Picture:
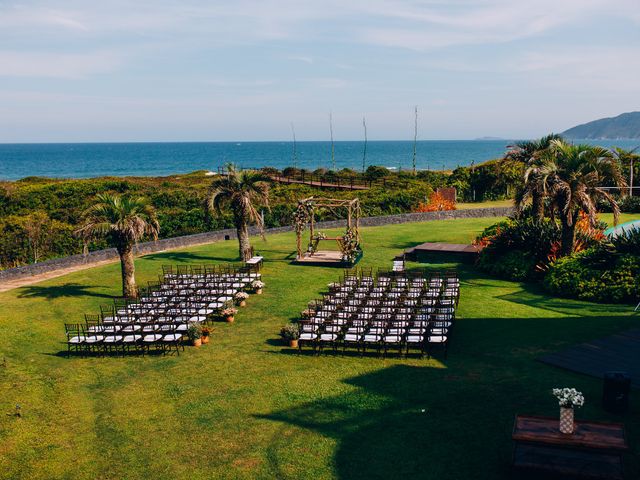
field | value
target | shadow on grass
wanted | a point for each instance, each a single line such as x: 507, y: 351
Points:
x: 188, y: 257
x: 60, y: 291
x: 112, y: 353
x: 533, y: 295
x: 395, y: 425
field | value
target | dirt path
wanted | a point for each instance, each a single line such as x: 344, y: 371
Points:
x: 23, y: 282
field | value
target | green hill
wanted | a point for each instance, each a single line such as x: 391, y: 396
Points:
x: 624, y: 126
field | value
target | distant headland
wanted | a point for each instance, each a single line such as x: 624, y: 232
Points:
x: 625, y: 126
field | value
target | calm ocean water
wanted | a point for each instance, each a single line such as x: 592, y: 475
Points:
x: 84, y: 160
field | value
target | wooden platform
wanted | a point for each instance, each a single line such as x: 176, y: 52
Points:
x: 619, y: 352
x: 325, y: 258
x: 461, y: 251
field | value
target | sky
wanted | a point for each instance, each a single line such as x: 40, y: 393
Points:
x: 185, y: 70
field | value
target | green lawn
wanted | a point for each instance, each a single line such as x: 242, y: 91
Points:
x: 245, y: 406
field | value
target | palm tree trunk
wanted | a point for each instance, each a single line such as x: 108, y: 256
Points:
x: 537, y: 200
x: 128, y: 271
x: 568, y: 236
x: 244, y: 245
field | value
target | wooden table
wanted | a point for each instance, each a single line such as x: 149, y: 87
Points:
x: 255, y: 263
x: 594, y: 450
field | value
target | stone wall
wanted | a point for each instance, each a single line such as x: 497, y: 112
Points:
x: 209, y: 237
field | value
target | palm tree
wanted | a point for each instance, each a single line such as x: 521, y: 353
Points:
x: 240, y: 191
x: 572, y: 177
x: 124, y: 220
x: 526, y: 152
x: 630, y: 158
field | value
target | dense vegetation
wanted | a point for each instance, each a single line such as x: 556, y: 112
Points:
x: 38, y: 215
x: 556, y: 236
x: 247, y: 407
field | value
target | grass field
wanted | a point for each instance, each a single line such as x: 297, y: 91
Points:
x: 245, y: 406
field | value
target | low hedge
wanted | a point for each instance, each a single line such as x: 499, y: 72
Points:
x: 585, y: 276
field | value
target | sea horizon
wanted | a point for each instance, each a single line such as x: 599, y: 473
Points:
x: 149, y: 159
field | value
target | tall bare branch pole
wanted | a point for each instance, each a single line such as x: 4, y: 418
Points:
x: 333, y: 150
x: 364, y: 151
x: 295, y: 150
x: 415, y: 139
x: 631, y: 177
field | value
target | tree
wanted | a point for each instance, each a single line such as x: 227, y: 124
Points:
x: 124, y: 220
x: 629, y: 161
x: 572, y: 177
x: 241, y: 191
x: 526, y: 153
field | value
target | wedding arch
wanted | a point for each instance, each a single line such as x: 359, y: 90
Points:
x: 349, y: 249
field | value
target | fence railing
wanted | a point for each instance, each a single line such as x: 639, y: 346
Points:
x: 331, y: 180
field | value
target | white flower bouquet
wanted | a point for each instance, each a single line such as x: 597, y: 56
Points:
x: 568, y: 397
x: 257, y: 284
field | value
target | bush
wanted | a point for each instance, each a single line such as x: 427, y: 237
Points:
x: 375, y: 172
x: 291, y: 172
x: 627, y: 204
x: 578, y: 277
x: 628, y: 241
x: 437, y: 203
x: 514, y: 265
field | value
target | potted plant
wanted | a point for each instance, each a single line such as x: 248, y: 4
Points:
x: 568, y: 398
x: 205, y: 334
x: 240, y: 299
x: 194, y: 333
x: 290, y: 333
x: 257, y: 286
x: 228, y: 314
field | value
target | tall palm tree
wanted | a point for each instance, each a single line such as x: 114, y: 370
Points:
x: 526, y: 153
x: 241, y: 191
x: 572, y: 177
x: 124, y: 220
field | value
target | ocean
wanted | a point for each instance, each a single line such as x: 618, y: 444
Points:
x: 85, y: 160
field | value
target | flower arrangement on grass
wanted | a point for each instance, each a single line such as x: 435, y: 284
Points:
x: 290, y: 333
x: 205, y: 333
x: 257, y: 286
x: 568, y: 397
x: 228, y: 313
x: 307, y: 313
x: 194, y: 333
x: 240, y: 298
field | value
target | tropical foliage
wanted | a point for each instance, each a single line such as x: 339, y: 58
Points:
x: 125, y: 220
x: 572, y: 177
x: 242, y: 192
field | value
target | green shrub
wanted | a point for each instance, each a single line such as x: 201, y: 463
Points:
x: 578, y: 277
x: 513, y: 265
x: 375, y: 172
x: 530, y: 238
x: 628, y: 241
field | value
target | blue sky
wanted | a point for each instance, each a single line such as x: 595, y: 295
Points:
x: 169, y: 70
